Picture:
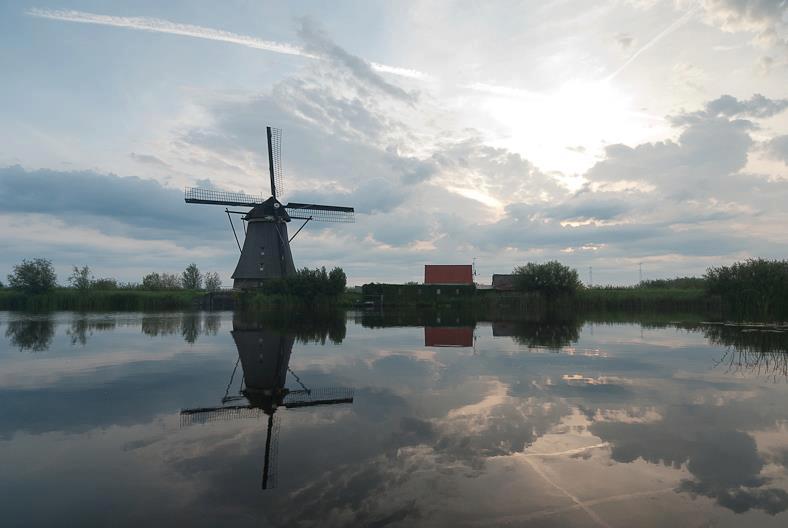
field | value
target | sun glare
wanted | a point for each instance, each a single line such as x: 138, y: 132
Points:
x: 567, y: 130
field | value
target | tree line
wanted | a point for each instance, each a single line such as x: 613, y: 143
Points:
x: 38, y: 276
x: 754, y: 286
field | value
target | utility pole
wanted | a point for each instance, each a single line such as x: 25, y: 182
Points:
x: 640, y: 272
x: 590, y: 275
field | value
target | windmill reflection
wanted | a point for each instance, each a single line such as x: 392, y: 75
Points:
x: 264, y: 351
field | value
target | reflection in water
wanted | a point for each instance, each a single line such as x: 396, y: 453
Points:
x: 264, y: 349
x: 772, y: 363
x: 725, y: 464
x: 644, y: 429
x: 31, y: 333
x: 190, y: 325
x: 747, y: 338
x: 448, y: 336
x: 82, y: 327
x: 551, y: 334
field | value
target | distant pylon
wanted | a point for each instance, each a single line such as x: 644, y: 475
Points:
x: 590, y: 275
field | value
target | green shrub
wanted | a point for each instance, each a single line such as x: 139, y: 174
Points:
x: 308, y: 284
x: 550, y: 278
x: 34, y: 276
x: 104, y: 284
x: 753, y: 286
x: 679, y: 283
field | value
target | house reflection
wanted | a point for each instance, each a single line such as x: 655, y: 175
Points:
x: 264, y: 350
x: 448, y: 336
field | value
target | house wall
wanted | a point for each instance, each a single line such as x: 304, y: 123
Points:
x: 448, y: 274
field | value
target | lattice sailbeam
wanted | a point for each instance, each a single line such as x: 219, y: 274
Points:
x: 321, y: 213
x: 275, y: 162
x: 209, y: 196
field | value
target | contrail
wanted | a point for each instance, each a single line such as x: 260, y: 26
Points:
x: 683, y: 19
x: 158, y: 25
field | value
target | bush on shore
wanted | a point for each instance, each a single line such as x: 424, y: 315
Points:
x: 550, y: 278
x: 753, y: 286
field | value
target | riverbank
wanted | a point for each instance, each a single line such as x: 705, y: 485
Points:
x: 107, y: 300
x: 158, y: 300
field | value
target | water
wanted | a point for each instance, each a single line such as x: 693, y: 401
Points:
x: 129, y: 419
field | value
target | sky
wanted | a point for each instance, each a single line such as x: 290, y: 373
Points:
x: 613, y: 136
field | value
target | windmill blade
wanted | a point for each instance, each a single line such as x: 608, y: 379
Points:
x: 271, y: 453
x: 314, y: 397
x: 275, y: 162
x: 204, y: 415
x: 321, y: 213
x: 211, y: 197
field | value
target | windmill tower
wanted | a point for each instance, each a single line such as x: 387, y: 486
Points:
x: 266, y: 250
x: 264, y: 356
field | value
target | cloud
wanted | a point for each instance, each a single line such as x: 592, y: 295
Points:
x: 692, y: 436
x: 624, y: 40
x: 158, y: 25
x: 744, y: 15
x: 727, y: 106
x: 319, y: 45
x: 756, y: 106
x: 132, y: 201
x: 777, y: 148
x: 148, y: 159
x: 673, y: 26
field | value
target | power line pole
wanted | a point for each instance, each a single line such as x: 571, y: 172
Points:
x: 590, y: 275
x: 640, y: 271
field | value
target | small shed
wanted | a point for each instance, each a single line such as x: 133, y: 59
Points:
x: 503, y: 282
x: 448, y: 274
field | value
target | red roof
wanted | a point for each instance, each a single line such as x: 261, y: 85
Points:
x: 447, y: 336
x: 448, y: 274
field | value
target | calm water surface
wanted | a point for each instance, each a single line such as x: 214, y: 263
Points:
x: 213, y: 419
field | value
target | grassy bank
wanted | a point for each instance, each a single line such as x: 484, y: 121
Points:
x: 635, y: 300
x: 649, y: 299
x: 260, y: 300
x: 109, y: 300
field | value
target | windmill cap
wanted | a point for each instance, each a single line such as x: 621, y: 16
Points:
x: 271, y: 208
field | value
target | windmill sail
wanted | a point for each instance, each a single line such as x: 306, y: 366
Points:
x: 321, y: 213
x: 211, y: 197
x: 266, y: 254
x: 275, y: 161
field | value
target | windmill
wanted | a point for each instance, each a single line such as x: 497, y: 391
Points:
x: 264, y: 355
x: 266, y: 250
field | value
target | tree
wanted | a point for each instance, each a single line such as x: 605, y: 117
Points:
x: 191, y: 278
x: 151, y: 281
x: 170, y: 281
x: 34, y: 276
x: 104, y: 284
x: 550, y: 278
x: 80, y: 278
x: 337, y: 281
x: 212, y: 281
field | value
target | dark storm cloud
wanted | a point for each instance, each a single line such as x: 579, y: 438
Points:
x: 145, y: 206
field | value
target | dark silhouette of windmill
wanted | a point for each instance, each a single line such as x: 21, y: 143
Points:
x: 264, y: 355
x: 266, y: 250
